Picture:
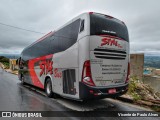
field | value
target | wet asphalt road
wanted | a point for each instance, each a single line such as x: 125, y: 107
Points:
x: 16, y: 97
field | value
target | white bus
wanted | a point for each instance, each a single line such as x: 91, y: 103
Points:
x: 87, y: 58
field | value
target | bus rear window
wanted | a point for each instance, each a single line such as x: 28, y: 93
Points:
x: 103, y: 25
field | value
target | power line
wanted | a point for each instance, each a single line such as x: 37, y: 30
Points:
x: 20, y: 28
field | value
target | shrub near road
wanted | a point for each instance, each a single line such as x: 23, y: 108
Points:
x: 143, y: 94
x: 4, y: 61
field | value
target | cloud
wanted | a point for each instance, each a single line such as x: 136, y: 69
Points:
x: 141, y: 17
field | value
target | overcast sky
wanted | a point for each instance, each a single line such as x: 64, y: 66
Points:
x: 142, y: 18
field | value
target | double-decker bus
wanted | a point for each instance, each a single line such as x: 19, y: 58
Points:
x: 87, y: 58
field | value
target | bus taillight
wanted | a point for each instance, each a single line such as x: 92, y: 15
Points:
x: 86, y: 74
x: 128, y: 73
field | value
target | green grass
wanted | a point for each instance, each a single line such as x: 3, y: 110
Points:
x: 140, y: 91
x: 6, y: 64
x: 4, y: 61
x: 133, y: 89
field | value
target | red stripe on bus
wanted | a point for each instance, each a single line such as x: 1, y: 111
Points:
x: 33, y: 75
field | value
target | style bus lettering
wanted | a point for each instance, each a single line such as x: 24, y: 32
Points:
x: 57, y: 74
x: 111, y: 42
x: 46, y: 67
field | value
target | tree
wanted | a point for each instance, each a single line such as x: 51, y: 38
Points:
x: 4, y: 59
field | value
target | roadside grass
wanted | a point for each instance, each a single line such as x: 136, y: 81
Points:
x: 4, y: 61
x: 6, y: 65
x: 133, y: 89
x: 143, y: 92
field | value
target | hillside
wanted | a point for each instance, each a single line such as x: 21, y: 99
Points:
x: 152, y: 61
x: 11, y: 56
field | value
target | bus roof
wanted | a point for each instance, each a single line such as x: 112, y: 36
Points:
x: 75, y: 18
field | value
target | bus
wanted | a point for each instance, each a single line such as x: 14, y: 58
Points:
x: 87, y: 58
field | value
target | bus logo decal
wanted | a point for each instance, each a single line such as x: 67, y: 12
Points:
x: 57, y: 74
x: 111, y: 42
x: 46, y: 67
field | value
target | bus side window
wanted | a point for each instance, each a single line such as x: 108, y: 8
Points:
x: 67, y: 36
x: 55, y: 45
x: 82, y: 26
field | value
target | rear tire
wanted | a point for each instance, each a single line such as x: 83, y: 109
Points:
x: 48, y: 88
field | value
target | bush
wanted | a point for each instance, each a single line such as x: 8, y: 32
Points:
x: 140, y: 91
x: 6, y: 64
x: 133, y: 88
x: 1, y: 57
x: 4, y: 60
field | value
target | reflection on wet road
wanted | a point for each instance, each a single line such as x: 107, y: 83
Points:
x: 16, y: 97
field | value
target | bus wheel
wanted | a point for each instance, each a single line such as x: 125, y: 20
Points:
x: 48, y: 88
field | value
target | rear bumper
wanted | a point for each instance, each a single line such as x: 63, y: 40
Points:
x: 88, y: 92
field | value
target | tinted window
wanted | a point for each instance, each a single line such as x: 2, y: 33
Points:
x: 62, y: 40
x: 75, y: 29
x: 39, y: 49
x: 55, y: 45
x: 66, y: 37
x: 69, y: 31
x: 66, y: 43
x: 64, y: 32
x: 60, y: 44
x: 101, y: 24
x: 26, y: 54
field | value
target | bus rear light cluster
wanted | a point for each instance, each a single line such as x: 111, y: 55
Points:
x: 86, y: 74
x: 128, y: 73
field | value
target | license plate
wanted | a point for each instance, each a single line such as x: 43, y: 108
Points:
x: 112, y: 91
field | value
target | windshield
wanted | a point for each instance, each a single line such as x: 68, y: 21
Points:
x: 104, y: 25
